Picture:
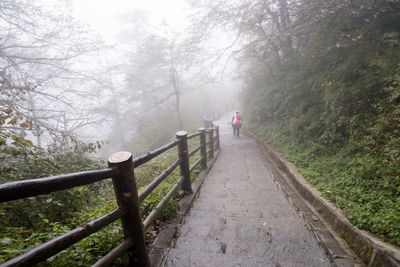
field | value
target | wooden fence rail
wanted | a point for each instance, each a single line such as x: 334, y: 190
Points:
x: 121, y: 171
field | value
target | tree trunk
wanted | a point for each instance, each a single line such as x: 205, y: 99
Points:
x: 177, y: 96
x: 36, y: 128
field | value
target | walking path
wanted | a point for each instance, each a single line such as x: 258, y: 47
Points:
x: 241, y: 218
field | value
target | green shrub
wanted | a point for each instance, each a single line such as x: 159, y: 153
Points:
x: 26, y: 223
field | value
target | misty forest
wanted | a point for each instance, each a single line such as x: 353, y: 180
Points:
x: 317, y: 80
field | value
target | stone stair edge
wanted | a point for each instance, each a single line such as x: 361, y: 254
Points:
x: 162, y: 243
x: 372, y: 250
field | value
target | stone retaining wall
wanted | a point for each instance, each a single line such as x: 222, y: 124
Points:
x: 371, y: 250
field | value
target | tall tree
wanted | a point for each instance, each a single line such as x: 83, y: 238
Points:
x: 156, y: 76
x: 40, y: 51
x: 320, y: 84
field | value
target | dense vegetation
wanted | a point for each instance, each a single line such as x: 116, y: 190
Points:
x: 332, y: 106
x: 322, y: 85
x: 26, y: 223
x: 54, y: 91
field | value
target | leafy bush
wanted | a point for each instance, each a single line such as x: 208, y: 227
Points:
x: 333, y: 109
x: 26, y: 223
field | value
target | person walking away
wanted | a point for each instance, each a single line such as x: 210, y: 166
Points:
x: 236, y: 123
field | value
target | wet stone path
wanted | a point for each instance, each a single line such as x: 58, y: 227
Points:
x: 241, y: 218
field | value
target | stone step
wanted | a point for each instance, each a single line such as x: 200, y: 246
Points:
x: 195, y: 258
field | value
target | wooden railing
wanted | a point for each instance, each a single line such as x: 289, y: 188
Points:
x: 120, y: 169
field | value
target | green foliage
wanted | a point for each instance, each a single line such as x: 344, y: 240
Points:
x: 148, y: 172
x: 156, y: 196
x: 150, y: 135
x: 25, y: 224
x: 333, y: 109
x: 34, y: 163
x: 20, y: 238
x: 28, y: 222
x: 145, y: 174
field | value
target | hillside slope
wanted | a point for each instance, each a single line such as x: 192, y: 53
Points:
x: 332, y: 107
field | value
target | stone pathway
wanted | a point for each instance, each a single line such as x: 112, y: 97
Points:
x: 241, y: 218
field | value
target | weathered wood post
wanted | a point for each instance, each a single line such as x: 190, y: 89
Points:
x: 203, y: 147
x: 211, y: 140
x: 217, y: 145
x: 126, y: 194
x: 184, y: 157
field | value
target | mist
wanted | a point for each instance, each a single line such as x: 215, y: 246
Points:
x: 318, y: 81
x: 128, y: 66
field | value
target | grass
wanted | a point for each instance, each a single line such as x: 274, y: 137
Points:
x: 360, y: 185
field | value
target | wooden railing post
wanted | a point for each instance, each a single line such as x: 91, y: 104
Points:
x: 217, y: 145
x: 211, y: 140
x: 203, y: 149
x: 126, y: 194
x: 184, y: 158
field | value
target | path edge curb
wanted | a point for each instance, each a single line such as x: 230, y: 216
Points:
x: 371, y: 250
x: 161, y: 245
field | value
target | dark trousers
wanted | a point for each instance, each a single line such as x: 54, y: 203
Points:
x: 236, y: 130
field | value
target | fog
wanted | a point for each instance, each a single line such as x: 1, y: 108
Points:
x: 318, y: 80
x: 111, y: 73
